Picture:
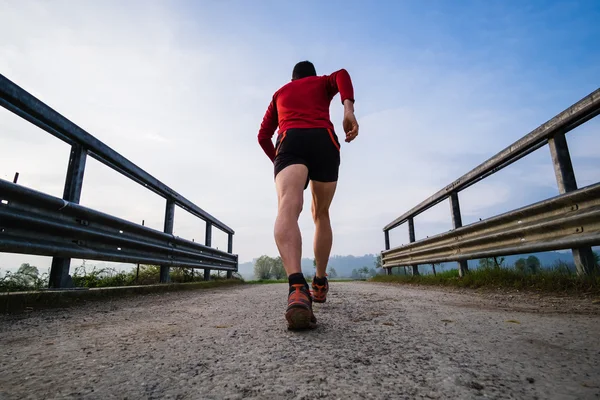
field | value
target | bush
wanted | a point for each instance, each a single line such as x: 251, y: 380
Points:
x: 26, y: 278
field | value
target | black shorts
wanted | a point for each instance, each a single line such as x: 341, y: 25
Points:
x: 317, y: 148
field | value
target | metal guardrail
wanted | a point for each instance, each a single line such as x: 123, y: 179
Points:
x: 30, y: 218
x: 37, y: 223
x: 566, y: 221
x: 479, y: 241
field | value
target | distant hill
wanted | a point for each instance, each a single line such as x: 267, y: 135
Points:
x: 345, y: 264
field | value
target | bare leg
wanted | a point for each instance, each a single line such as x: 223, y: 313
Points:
x: 322, y: 196
x: 290, y: 188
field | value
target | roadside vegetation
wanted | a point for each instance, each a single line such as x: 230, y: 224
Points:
x: 527, y: 273
x: 270, y: 270
x: 28, y: 277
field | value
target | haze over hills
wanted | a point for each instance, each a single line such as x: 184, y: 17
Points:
x: 345, y: 264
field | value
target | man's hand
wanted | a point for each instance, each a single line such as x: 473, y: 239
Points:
x: 350, y: 124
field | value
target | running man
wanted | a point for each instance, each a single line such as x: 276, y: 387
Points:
x: 307, y: 149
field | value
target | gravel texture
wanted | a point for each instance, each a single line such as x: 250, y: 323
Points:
x: 377, y: 341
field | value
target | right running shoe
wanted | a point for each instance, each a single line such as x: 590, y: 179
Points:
x: 320, y: 291
x: 299, y: 313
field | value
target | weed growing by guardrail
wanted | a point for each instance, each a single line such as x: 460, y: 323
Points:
x: 560, y: 277
x: 28, y: 278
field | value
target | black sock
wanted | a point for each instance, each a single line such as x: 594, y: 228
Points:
x: 320, y: 281
x: 297, y: 279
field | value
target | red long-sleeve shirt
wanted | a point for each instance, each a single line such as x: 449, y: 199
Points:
x: 303, y: 103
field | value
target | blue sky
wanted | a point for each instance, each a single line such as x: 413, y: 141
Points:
x: 180, y: 88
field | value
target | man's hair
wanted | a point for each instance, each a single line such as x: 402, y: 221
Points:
x: 303, y: 69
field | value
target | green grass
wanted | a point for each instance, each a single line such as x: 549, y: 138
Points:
x: 92, y: 277
x: 545, y: 280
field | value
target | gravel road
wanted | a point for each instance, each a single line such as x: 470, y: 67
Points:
x: 375, y: 341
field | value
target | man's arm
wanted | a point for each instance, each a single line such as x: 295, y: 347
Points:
x: 340, y: 82
x: 267, y: 130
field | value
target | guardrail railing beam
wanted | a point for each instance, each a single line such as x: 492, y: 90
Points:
x: 59, y: 270
x: 570, y: 220
x: 565, y: 178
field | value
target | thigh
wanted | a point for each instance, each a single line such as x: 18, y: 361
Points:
x: 290, y: 183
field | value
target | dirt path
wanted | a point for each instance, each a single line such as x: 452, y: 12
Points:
x: 374, y: 341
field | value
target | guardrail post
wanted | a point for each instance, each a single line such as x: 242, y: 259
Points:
x: 230, y: 251
x: 208, y: 242
x: 463, y: 266
x: 386, y: 234
x: 411, y: 238
x: 59, y: 271
x: 169, y: 221
x: 565, y: 178
x: 387, y: 239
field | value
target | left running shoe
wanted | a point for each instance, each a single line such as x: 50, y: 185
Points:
x: 299, y: 313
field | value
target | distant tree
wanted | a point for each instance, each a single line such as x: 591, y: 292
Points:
x: 262, y: 267
x: 498, y: 262
x: 378, y: 263
x: 332, y: 273
x: 277, y: 269
x: 27, y: 277
x: 533, y: 264
x: 355, y: 274
x: 364, y: 272
x: 29, y: 274
x: 372, y: 272
x: 521, y: 265
x: 491, y: 262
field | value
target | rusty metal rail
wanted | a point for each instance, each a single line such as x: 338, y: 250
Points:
x: 23, y: 224
x: 480, y: 241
